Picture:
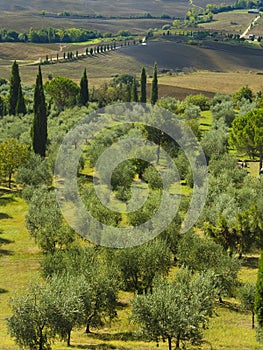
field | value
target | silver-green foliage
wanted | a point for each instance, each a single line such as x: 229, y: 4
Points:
x: 175, y: 311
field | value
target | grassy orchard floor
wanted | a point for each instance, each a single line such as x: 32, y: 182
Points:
x: 230, y: 329
x: 18, y: 256
x: 19, y: 261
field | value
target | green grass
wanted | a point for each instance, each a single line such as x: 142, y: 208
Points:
x: 205, y: 120
x: 91, y: 42
x: 231, y: 329
x: 18, y: 257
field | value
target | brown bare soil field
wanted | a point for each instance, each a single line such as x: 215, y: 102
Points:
x: 23, y: 22
x: 212, y: 56
x: 180, y: 93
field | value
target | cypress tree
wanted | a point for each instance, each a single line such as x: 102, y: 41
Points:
x: 154, y: 94
x: 14, y: 88
x: 2, y: 107
x: 143, y: 86
x: 128, y: 93
x: 39, y: 132
x: 84, y: 90
x: 134, y: 93
x: 20, y: 105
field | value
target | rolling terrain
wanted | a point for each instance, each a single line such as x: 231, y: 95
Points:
x: 212, y: 56
x: 104, y: 7
x: 208, y: 68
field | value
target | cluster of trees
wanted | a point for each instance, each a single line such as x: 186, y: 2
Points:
x: 198, y: 15
x: 76, y: 285
x: 66, y: 13
x: 55, y: 35
x: 78, y: 295
x: 61, y: 93
x: 49, y: 35
x: 238, y: 4
x: 78, y: 291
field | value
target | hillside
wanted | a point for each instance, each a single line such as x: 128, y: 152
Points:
x: 103, y: 7
x: 213, y: 56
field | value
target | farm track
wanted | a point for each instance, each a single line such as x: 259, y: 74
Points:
x: 251, y: 25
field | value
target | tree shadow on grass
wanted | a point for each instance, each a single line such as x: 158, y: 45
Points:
x: 5, y: 216
x: 6, y: 252
x: 122, y: 336
x: 6, y: 200
x: 4, y: 240
x: 122, y: 304
x: 88, y: 178
x: 228, y: 305
x: 2, y: 291
x: 250, y: 262
x: 97, y: 347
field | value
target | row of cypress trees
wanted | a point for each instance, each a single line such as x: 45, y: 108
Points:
x: 39, y: 129
x: 143, y: 97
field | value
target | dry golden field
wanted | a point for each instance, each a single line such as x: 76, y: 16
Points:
x: 233, y: 21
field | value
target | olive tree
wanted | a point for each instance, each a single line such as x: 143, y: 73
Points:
x: 246, y: 295
x: 175, y: 311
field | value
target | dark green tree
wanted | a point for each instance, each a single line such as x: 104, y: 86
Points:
x: 20, y: 105
x: 39, y: 131
x: 63, y: 91
x: 154, y: 92
x: 244, y: 93
x: 143, y: 86
x: 247, y: 134
x: 2, y: 107
x: 84, y: 91
x: 134, y: 93
x: 128, y: 93
x: 14, y: 88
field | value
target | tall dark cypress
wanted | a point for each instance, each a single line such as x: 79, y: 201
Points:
x: 128, y: 93
x: 39, y: 132
x: 2, y: 107
x: 84, y: 89
x: 20, y: 105
x: 15, y: 82
x: 134, y: 93
x: 143, y: 86
x: 154, y: 94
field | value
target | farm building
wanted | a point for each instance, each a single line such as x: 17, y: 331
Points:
x: 254, y: 11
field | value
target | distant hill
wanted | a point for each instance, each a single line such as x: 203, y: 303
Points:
x: 105, y: 7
